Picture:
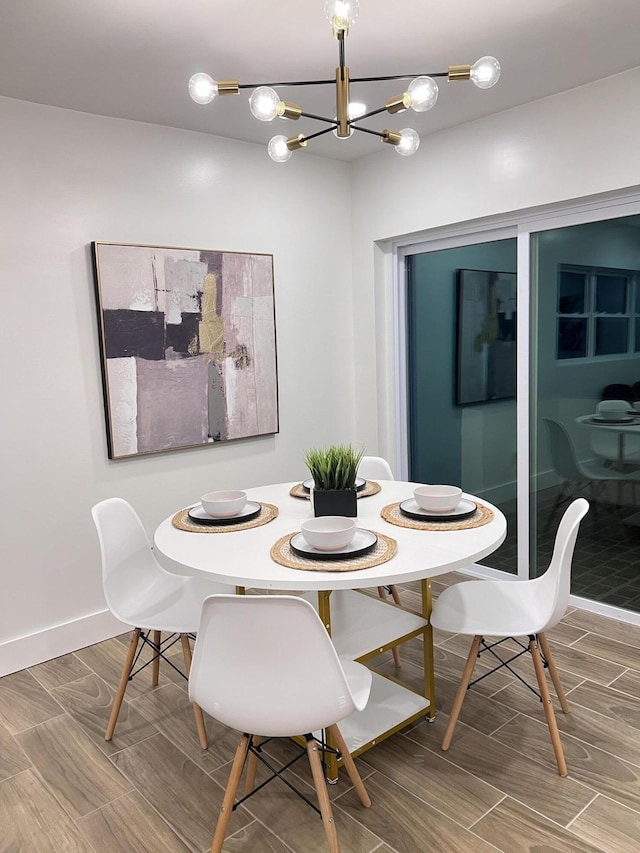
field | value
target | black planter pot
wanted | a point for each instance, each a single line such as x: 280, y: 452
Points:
x: 335, y: 502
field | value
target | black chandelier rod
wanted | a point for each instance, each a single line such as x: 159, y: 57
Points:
x: 353, y: 80
x: 366, y: 130
x: 334, y: 124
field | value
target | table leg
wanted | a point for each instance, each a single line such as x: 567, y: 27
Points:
x: 429, y: 674
x: 324, y: 611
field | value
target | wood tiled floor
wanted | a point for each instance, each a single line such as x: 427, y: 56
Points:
x: 62, y: 788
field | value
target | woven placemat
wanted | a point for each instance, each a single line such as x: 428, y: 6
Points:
x: 370, y: 488
x: 182, y: 521
x: 385, y: 548
x: 393, y: 514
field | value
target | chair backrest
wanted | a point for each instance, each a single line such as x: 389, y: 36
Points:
x: 375, y: 468
x: 605, y: 406
x: 265, y: 664
x: 129, y: 568
x: 563, y: 455
x: 551, y: 591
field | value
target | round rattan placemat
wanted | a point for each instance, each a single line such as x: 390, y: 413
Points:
x: 393, y: 514
x: 385, y: 548
x: 370, y: 488
x: 182, y: 521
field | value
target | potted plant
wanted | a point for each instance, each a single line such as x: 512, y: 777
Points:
x: 334, y: 472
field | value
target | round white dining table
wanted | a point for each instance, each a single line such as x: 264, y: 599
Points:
x: 242, y: 557
x: 361, y: 625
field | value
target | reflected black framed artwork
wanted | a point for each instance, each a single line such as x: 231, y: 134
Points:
x: 188, y: 346
x: 486, y: 336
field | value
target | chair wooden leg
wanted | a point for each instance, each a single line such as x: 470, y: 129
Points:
x: 252, y: 766
x: 553, y: 672
x: 226, y: 810
x: 122, y: 686
x: 197, y: 710
x: 349, y: 765
x: 323, y: 796
x: 462, y: 691
x: 548, y: 707
x: 155, y: 666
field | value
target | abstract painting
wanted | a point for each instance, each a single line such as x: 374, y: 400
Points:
x: 188, y: 346
x: 486, y: 362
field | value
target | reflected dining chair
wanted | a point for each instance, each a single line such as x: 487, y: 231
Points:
x: 265, y: 666
x: 141, y: 593
x: 620, y: 448
x: 511, y: 609
x: 377, y: 468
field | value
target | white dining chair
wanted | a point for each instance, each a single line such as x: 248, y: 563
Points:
x: 141, y: 593
x: 377, y: 468
x: 266, y: 666
x: 510, y: 609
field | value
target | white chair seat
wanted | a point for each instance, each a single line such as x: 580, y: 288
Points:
x: 493, y: 608
x: 359, y: 679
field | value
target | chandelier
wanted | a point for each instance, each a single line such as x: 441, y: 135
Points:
x: 421, y: 94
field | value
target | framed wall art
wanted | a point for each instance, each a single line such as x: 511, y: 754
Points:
x: 188, y: 346
x: 486, y: 339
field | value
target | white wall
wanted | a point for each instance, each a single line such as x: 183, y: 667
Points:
x: 69, y: 178
x: 572, y: 145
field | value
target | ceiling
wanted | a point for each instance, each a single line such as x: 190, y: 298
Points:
x: 132, y: 58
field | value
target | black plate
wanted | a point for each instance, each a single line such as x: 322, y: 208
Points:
x: 360, y: 484
x: 250, y: 510
x: 464, y: 509
x: 363, y: 541
x: 600, y: 419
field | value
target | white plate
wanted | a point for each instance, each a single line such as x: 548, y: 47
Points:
x: 249, y: 510
x: 465, y: 507
x: 599, y: 419
x: 360, y: 544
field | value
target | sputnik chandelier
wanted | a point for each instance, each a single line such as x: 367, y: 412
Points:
x: 421, y: 94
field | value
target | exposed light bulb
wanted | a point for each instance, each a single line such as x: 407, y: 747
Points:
x: 278, y: 150
x: 341, y: 14
x: 485, y: 73
x: 409, y: 143
x: 356, y: 109
x: 264, y: 103
x: 423, y: 93
x: 202, y: 88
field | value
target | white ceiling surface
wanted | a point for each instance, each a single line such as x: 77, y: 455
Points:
x: 132, y: 58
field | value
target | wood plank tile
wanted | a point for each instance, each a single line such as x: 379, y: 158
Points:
x: 611, y: 702
x: 32, y: 820
x: 24, y: 702
x: 170, y: 711
x: 576, y: 660
x: 186, y: 797
x: 457, y: 794
x: 606, y: 627
x: 610, y: 649
x: 565, y: 634
x: 291, y: 819
x: 602, y: 772
x: 519, y: 698
x: 12, y: 757
x: 514, y: 828
x: 612, y: 827
x: 407, y: 823
x: 81, y: 777
x: 628, y: 682
x: 255, y: 838
x: 59, y: 671
x: 89, y: 701
x: 130, y: 825
x: 508, y: 770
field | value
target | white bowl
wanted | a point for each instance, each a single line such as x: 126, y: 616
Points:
x: 329, y: 532
x: 438, y: 498
x: 614, y: 414
x: 223, y: 504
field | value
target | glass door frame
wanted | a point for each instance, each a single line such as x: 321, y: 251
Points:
x: 520, y: 225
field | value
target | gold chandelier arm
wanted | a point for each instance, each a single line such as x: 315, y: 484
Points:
x: 459, y: 72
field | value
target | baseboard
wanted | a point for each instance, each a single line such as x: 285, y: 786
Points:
x: 41, y: 646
